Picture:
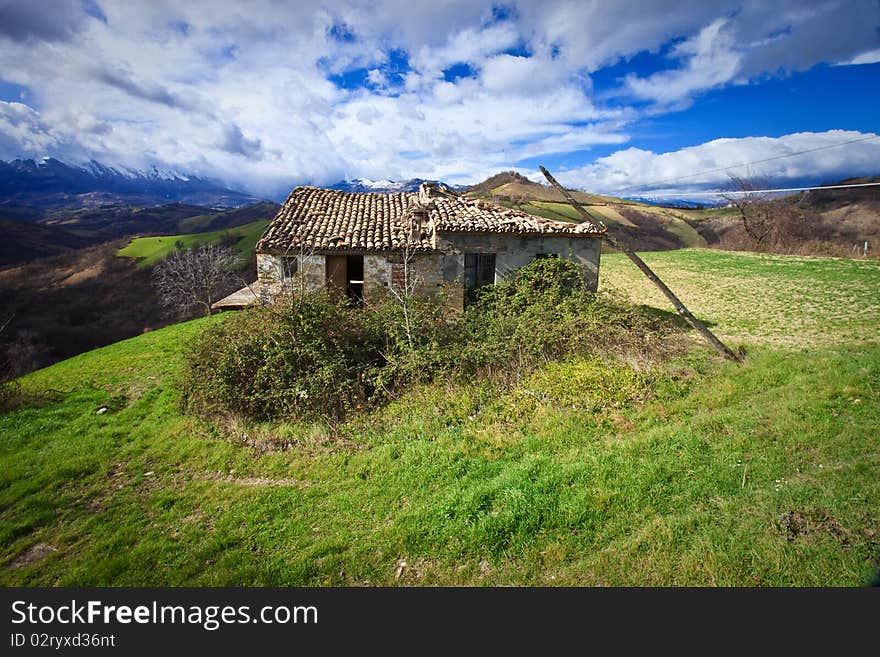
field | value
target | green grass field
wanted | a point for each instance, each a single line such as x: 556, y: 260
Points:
x: 699, y: 472
x: 670, y: 219
x: 561, y: 211
x: 762, y: 298
x: 152, y: 249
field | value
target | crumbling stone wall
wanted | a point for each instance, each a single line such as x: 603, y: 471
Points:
x: 271, y: 283
x: 435, y: 272
x: 385, y: 271
x: 511, y: 253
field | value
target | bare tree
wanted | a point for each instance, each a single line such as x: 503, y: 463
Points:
x: 195, y: 278
x: 774, y: 222
x: 756, y: 212
x: 403, y: 287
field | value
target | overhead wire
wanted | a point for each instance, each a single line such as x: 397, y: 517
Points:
x: 743, y: 164
x: 760, y: 191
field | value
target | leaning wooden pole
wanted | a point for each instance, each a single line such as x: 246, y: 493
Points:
x: 680, y: 308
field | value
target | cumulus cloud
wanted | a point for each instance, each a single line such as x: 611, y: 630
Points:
x: 471, y: 46
x: 511, y: 73
x: 753, y: 40
x: 249, y: 91
x: 804, y: 156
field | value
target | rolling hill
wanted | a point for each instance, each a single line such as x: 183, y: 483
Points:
x: 841, y: 219
x: 49, y: 233
x: 150, y: 250
x: 77, y: 298
x: 646, y: 227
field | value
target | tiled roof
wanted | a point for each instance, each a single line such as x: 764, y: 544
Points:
x: 331, y: 219
x: 459, y: 214
x: 328, y: 219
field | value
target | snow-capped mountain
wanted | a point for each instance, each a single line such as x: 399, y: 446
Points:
x: 154, y: 173
x: 379, y: 186
x: 51, y: 183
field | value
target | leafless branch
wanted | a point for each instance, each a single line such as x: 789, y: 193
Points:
x: 404, y: 292
x: 756, y: 212
x: 195, y: 278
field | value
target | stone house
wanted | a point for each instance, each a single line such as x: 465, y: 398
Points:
x: 435, y: 240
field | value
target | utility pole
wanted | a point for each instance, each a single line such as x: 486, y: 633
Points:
x: 680, y: 308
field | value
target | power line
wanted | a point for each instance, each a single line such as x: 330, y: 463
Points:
x: 745, y: 164
x: 764, y: 191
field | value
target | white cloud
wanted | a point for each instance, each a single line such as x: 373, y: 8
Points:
x: 21, y: 128
x: 755, y: 38
x: 870, y: 57
x: 632, y: 171
x: 710, y: 60
x: 510, y: 73
x: 470, y: 46
x: 240, y: 90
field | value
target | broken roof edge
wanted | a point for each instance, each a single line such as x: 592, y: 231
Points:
x: 447, y: 212
x: 536, y: 234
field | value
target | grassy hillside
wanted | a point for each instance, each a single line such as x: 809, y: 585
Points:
x: 152, y: 249
x: 830, y: 222
x: 30, y: 235
x: 764, y: 474
x: 796, y: 301
x: 644, y: 227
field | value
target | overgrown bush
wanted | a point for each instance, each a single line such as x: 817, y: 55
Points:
x: 313, y: 359
x: 321, y: 358
x: 545, y: 311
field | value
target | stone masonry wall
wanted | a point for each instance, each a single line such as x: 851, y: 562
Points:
x: 383, y: 272
x: 271, y: 282
x: 435, y: 272
x: 511, y: 253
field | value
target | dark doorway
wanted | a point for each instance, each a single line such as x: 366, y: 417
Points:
x: 479, y: 271
x: 345, y: 275
x: 354, y: 288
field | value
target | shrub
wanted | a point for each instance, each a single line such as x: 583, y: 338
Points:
x: 321, y: 358
x: 311, y: 360
x: 544, y: 311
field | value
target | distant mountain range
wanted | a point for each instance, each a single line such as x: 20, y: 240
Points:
x: 52, y: 184
x: 385, y: 186
x: 676, y: 203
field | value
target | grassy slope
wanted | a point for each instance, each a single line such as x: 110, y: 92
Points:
x: 773, y: 299
x: 466, y: 485
x: 671, y: 220
x: 228, y: 218
x: 153, y: 249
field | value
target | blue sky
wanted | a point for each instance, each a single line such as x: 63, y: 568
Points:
x: 609, y: 95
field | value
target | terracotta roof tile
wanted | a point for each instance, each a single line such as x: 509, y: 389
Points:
x: 329, y: 219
